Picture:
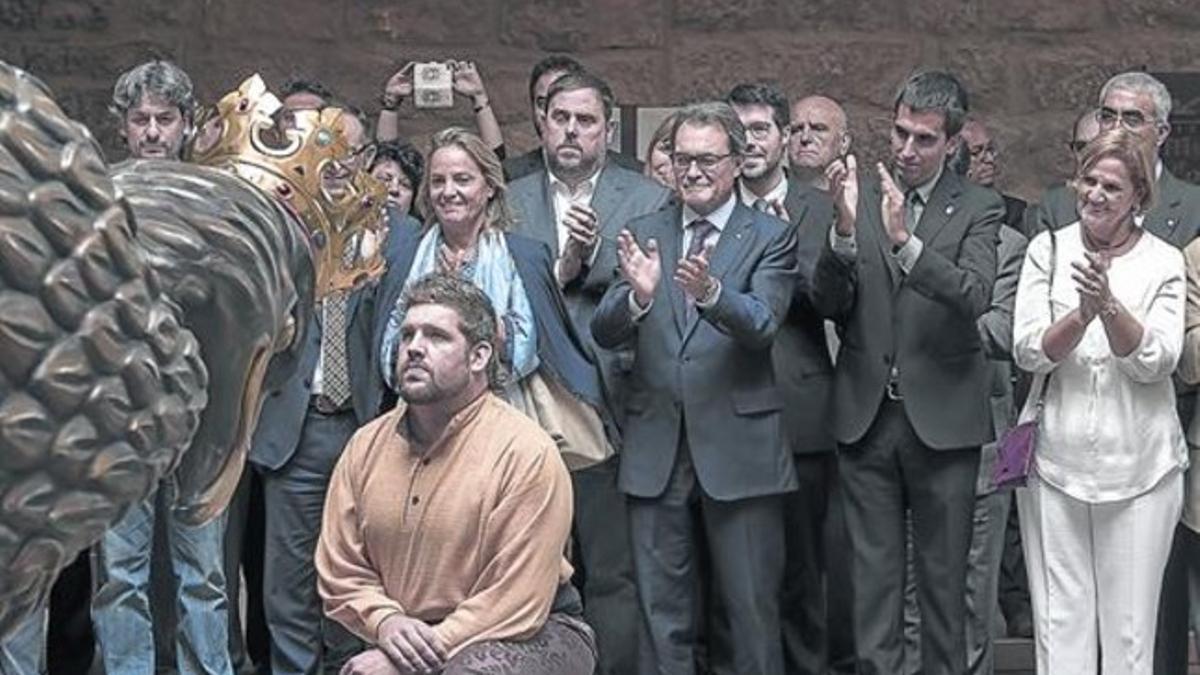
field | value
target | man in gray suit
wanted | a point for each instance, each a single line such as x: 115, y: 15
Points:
x: 577, y: 205
x: 1141, y: 104
x: 803, y: 369
x: 703, y: 288
x: 906, y: 271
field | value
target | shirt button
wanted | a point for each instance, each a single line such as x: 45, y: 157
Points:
x: 416, y: 500
x: 425, y: 461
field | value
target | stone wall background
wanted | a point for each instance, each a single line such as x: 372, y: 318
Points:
x: 1030, y: 65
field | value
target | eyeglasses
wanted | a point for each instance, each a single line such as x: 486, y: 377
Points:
x: 1130, y: 119
x: 760, y: 130
x: 981, y: 150
x: 707, y: 163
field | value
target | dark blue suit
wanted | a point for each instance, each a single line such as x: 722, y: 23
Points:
x: 295, y: 448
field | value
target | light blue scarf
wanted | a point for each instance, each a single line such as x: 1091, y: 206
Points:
x: 493, y: 271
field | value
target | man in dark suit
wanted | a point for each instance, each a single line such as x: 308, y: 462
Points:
x: 301, y: 431
x: 1141, y: 104
x: 981, y: 170
x: 703, y: 288
x: 544, y: 73
x: 803, y: 369
x: 906, y: 271
x: 577, y: 205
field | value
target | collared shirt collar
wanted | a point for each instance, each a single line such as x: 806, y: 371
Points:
x: 924, y: 189
x: 454, y: 425
x: 719, y: 218
x: 776, y: 194
x: 582, y: 193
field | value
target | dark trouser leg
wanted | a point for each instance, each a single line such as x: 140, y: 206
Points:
x: 746, y: 547
x: 163, y: 583
x: 235, y: 533
x: 873, y: 503
x: 71, y: 620
x: 839, y: 582
x: 564, y: 646
x: 941, y: 489
x: 802, y: 601
x: 1171, y: 637
x: 258, y: 638
x: 295, y: 499
x: 604, y: 565
x: 664, y: 554
x: 1014, y: 584
x: 983, y: 574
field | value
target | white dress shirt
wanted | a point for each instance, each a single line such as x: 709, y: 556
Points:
x: 1109, y: 430
x: 775, y: 194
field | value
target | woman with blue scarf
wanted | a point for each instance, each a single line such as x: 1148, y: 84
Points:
x: 552, y: 379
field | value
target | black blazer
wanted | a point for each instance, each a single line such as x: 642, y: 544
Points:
x: 923, y: 323
x: 802, y: 364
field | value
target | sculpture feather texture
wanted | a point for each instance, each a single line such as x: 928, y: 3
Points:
x: 143, y: 309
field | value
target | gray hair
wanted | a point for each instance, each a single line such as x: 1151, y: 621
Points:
x: 1142, y: 83
x: 162, y: 79
x: 937, y: 91
x: 713, y: 113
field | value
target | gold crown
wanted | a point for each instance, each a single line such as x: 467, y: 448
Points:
x: 303, y: 164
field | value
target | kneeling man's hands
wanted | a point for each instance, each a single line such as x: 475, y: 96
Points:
x: 411, y: 645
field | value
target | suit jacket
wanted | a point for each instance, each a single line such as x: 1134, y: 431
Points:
x: 922, y: 323
x: 712, y: 375
x: 1174, y: 217
x: 621, y: 196
x: 278, y: 432
x: 1014, y: 213
x: 533, y: 161
x: 996, y: 329
x: 801, y: 355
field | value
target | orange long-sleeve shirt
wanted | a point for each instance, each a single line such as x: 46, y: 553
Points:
x: 469, y: 537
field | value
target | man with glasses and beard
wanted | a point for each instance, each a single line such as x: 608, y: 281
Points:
x: 803, y: 370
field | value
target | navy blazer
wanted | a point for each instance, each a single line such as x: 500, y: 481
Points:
x: 282, y: 418
x: 711, y: 378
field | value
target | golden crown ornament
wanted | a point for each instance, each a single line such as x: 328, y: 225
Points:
x: 303, y: 160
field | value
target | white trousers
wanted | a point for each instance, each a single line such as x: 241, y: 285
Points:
x: 1095, y: 571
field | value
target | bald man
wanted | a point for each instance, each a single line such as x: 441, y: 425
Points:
x: 819, y: 136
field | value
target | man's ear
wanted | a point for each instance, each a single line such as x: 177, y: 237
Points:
x: 845, y: 144
x: 481, y: 355
x: 1163, y: 130
x: 610, y: 132
x: 952, y: 144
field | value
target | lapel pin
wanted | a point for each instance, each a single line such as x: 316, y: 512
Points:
x: 1171, y: 222
x: 949, y: 209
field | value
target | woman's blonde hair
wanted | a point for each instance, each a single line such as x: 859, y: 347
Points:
x: 498, y: 214
x: 1131, y: 151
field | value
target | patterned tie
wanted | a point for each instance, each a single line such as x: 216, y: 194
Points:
x: 335, y: 371
x: 701, y: 231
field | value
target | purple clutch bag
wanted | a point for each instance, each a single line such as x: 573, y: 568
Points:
x: 1014, y: 455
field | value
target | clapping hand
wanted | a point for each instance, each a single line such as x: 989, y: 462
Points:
x: 891, y: 207
x: 843, y: 187
x: 641, y: 268
x: 692, y: 276
x: 583, y: 233
x: 1091, y: 282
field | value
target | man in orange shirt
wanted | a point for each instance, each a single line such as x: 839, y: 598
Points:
x: 447, y: 519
